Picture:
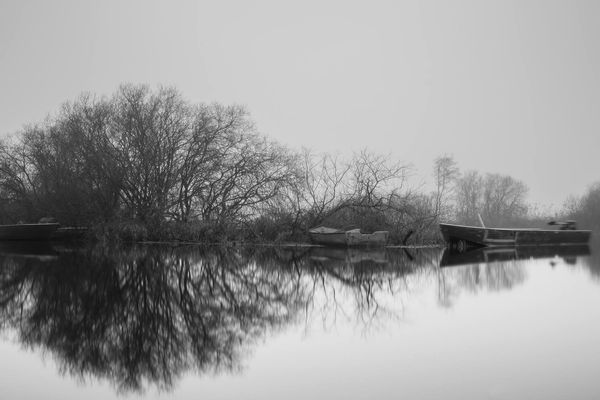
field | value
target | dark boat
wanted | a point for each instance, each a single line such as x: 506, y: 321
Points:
x: 461, y: 237
x: 337, y: 237
x: 38, y: 232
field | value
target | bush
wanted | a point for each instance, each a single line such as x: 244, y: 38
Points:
x: 126, y: 231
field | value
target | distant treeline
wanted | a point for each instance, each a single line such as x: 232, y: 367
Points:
x: 147, y: 165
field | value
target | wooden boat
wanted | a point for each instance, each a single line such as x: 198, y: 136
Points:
x: 461, y: 237
x: 337, y: 237
x: 40, y: 231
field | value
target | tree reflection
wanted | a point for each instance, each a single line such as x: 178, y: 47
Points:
x: 146, y: 315
x: 143, y: 316
x: 474, y: 278
x: 362, y: 285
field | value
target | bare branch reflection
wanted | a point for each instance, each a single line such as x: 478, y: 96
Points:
x: 363, y: 286
x: 144, y: 316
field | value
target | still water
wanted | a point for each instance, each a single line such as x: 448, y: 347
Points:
x: 271, y: 323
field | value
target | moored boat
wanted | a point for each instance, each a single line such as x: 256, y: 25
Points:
x: 38, y: 232
x: 463, y: 236
x: 337, y: 237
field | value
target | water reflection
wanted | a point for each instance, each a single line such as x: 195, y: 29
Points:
x: 498, y: 254
x: 363, y: 286
x: 145, y: 315
x: 494, y: 269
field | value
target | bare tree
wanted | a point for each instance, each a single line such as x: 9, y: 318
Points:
x: 376, y: 178
x: 324, y: 186
x: 202, y: 150
x: 445, y: 173
x: 503, y: 199
x: 468, y: 197
x: 586, y: 209
x: 18, y: 182
x: 499, y: 199
x: 147, y: 132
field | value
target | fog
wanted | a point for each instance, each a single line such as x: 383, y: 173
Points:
x: 505, y: 87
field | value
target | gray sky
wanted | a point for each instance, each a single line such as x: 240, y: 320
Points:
x: 505, y: 86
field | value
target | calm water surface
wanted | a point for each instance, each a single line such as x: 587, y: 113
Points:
x: 265, y: 323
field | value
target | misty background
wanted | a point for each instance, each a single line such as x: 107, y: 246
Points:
x: 504, y: 87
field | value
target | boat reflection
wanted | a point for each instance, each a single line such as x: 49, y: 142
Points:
x: 28, y: 249
x: 494, y: 254
x: 498, y: 268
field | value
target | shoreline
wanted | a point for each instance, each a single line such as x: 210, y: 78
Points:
x: 284, y: 245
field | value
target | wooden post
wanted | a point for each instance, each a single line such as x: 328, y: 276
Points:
x: 481, y: 220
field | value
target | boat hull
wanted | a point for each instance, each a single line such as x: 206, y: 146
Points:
x: 36, y: 232
x: 378, y: 238
x: 329, y: 239
x: 462, y: 235
x: 352, y: 238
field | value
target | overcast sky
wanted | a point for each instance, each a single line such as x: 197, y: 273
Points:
x: 505, y: 86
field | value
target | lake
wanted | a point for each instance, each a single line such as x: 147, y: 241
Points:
x: 192, y: 322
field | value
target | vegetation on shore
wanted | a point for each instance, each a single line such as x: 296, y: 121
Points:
x: 147, y: 165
